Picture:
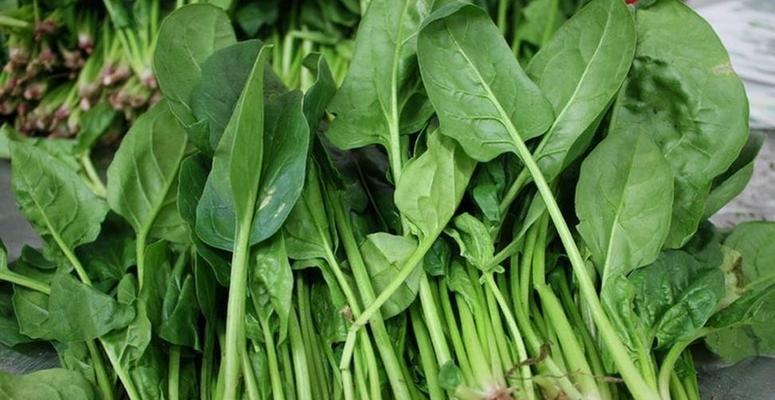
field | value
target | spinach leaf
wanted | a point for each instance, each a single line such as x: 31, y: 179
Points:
x: 382, y: 90
x: 224, y: 75
x: 483, y: 99
x: 432, y: 186
x: 728, y: 185
x: 745, y: 328
x: 623, y: 201
x: 271, y: 283
x: 55, y: 383
x: 307, y: 231
x: 193, y: 176
x: 384, y: 254
x: 683, y: 93
x: 317, y: 97
x: 77, y: 312
x: 54, y: 199
x: 180, y: 311
x: 143, y: 175
x: 285, y: 141
x: 580, y: 71
x: 473, y: 239
x: 186, y: 38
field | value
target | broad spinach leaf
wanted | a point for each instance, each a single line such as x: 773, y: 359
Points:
x: 482, y: 97
x: 382, y: 90
x: 384, y: 255
x: 580, y: 71
x: 55, y: 383
x: 623, y: 201
x: 683, y: 93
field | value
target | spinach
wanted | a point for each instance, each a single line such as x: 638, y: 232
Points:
x: 484, y: 209
x: 681, y: 102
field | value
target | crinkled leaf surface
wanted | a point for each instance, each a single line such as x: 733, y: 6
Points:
x: 54, y: 383
x: 683, y: 93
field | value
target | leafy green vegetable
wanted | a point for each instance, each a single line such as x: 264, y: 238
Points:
x: 623, y: 200
x: 679, y: 93
x: 482, y: 97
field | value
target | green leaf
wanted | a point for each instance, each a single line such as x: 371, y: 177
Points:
x: 482, y: 97
x: 728, y: 185
x: 31, y: 310
x: 623, y: 201
x: 384, y: 255
x: 436, y: 261
x: 432, y: 185
x: 677, y: 294
x: 308, y: 233
x: 186, y: 38
x: 271, y: 282
x: 580, y: 71
x: 154, y: 287
x: 143, y: 174
x: 78, y: 312
x: 231, y: 195
x: 224, y: 74
x: 54, y: 199
x: 192, y: 178
x: 382, y: 90
x: 107, y: 259
x: 180, y: 311
x: 129, y: 344
x: 683, y: 93
x: 450, y: 376
x: 539, y: 23
x: 754, y: 242
x: 55, y: 383
x: 473, y: 239
x: 94, y: 123
x: 317, y: 97
x: 252, y: 16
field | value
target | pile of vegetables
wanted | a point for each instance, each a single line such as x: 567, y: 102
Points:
x: 452, y: 221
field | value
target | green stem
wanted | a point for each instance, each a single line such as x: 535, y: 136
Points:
x: 251, y: 387
x: 298, y: 352
x: 629, y: 372
x: 666, y: 369
x: 173, y: 375
x: 454, y: 333
x: 104, y: 383
x: 409, y: 266
x: 433, y: 321
x: 278, y: 391
x: 235, y: 313
x: 511, y: 323
x: 206, y: 371
x: 13, y: 22
x: 427, y: 359
x: 21, y: 280
x: 91, y: 172
x: 363, y: 282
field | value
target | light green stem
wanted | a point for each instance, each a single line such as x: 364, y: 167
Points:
x: 235, y: 314
x: 173, y: 376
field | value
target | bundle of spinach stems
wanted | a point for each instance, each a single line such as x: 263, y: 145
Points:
x: 450, y: 206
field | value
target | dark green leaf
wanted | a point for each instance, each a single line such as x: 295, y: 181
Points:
x: 47, y: 384
x: 683, y: 93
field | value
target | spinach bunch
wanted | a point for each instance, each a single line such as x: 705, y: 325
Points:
x: 445, y: 224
